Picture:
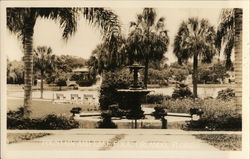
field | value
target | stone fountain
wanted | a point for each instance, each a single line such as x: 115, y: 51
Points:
x: 131, y: 99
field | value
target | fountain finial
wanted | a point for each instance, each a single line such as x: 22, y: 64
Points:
x: 135, y: 68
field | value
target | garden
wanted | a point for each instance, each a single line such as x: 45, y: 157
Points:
x: 118, y: 59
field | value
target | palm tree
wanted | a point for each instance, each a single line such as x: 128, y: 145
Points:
x: 44, y: 61
x: 148, y: 39
x: 226, y: 34
x: 195, y: 38
x: 229, y: 33
x: 238, y: 12
x: 21, y: 21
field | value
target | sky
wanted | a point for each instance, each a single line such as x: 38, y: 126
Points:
x: 48, y: 33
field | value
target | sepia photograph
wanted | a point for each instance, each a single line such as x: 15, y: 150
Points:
x: 110, y: 80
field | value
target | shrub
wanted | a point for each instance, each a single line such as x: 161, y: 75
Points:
x: 182, y: 91
x: 155, y: 99
x: 111, y: 82
x: 159, y: 112
x: 218, y: 115
x: 226, y: 94
x: 106, y: 121
x: 55, y: 122
x: 181, y: 105
x: 15, y: 120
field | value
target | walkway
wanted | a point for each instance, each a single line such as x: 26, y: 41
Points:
x: 118, y: 139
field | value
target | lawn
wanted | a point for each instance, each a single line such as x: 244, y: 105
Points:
x: 224, y: 142
x: 19, y: 137
x: 42, y: 108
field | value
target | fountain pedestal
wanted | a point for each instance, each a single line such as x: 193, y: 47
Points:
x: 131, y: 99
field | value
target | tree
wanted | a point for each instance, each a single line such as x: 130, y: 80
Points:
x: 195, y: 38
x: 21, y: 21
x: 44, y: 61
x: 15, y: 72
x: 148, y: 39
x: 226, y: 34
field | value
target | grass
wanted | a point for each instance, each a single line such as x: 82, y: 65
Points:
x: 43, y: 108
x: 19, y: 137
x: 224, y: 142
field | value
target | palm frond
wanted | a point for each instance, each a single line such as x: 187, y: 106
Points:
x: 67, y: 18
x: 104, y: 18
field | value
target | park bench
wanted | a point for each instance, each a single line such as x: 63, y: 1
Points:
x: 60, y: 98
x: 75, y: 98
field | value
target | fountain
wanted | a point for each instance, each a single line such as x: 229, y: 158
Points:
x: 131, y: 99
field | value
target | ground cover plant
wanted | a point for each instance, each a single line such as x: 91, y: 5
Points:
x: 225, y: 142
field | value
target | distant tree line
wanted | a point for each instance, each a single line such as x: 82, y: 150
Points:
x: 62, y: 66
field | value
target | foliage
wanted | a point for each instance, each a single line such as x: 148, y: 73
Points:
x: 159, y: 112
x: 135, y: 114
x: 16, y: 120
x: 43, y: 59
x: 15, y: 71
x: 224, y: 142
x: 106, y: 122
x: 226, y: 94
x: 180, y: 105
x: 218, y: 114
x: 180, y: 72
x: 226, y: 34
x: 195, y: 39
x: 181, y: 91
x: 155, y: 98
x: 158, y: 77
x: 148, y: 39
x: 214, y: 73
x: 119, y: 79
x: 115, y: 111
x: 61, y: 78
x: 21, y: 22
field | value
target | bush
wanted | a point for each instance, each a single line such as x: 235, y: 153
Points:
x: 155, y: 99
x: 182, y: 91
x: 106, y: 122
x: 55, y: 122
x: 112, y: 81
x: 159, y: 112
x: 15, y: 120
x: 226, y: 94
x: 181, y: 105
x: 218, y: 114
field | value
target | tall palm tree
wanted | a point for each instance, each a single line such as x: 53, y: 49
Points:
x: 21, y: 21
x: 238, y: 13
x: 195, y: 38
x: 226, y: 34
x: 148, y: 39
x: 229, y: 33
x: 44, y: 61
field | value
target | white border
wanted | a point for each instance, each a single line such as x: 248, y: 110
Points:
x: 132, y: 154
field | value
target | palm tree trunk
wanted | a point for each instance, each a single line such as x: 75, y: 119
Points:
x: 42, y: 74
x: 238, y: 56
x: 28, y: 67
x: 195, y: 74
x: 146, y: 73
